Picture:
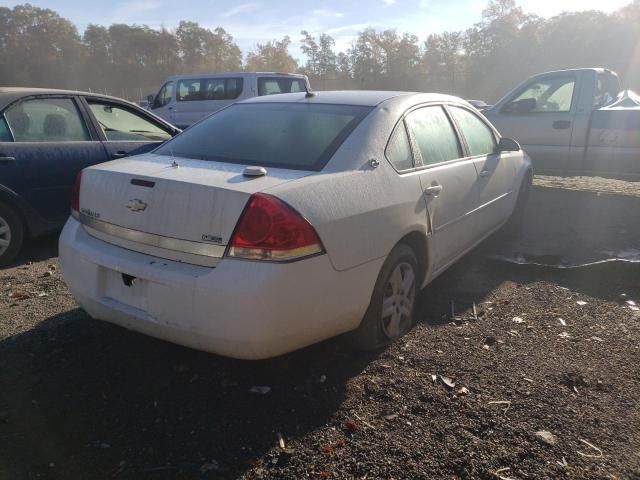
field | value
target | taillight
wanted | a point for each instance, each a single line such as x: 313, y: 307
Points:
x: 75, y: 196
x: 269, y: 229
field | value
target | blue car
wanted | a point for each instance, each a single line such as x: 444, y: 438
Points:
x: 46, y: 138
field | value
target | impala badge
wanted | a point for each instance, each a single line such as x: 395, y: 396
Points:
x: 136, y: 205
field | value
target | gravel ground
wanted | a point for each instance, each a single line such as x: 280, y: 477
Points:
x: 81, y: 398
x: 590, y: 184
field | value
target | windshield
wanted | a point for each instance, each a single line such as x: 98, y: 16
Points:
x: 284, y: 135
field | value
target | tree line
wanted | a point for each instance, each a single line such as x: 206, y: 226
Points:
x: 38, y: 47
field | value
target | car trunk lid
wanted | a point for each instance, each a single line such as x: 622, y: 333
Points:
x: 160, y: 204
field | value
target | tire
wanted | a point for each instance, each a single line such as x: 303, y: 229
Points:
x: 377, y: 329
x: 11, y: 235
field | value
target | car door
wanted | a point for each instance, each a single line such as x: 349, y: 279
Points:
x: 541, y: 117
x: 51, y: 141
x: 496, y: 171
x: 126, y: 130
x: 449, y: 183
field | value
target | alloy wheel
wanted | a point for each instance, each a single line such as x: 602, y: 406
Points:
x: 5, y: 236
x: 398, y: 300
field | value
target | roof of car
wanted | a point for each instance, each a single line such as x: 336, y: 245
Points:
x: 188, y: 76
x: 10, y: 94
x: 365, y: 98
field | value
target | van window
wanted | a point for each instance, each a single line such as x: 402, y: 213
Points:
x: 209, y: 89
x: 282, y: 135
x: 272, y: 85
x: 165, y: 95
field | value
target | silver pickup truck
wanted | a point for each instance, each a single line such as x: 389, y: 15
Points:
x: 574, y: 122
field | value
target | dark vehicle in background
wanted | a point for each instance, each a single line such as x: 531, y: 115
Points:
x: 46, y: 138
x: 574, y: 122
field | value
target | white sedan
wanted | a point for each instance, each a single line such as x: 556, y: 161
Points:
x: 282, y: 221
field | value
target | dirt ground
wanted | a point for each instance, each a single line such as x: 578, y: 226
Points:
x: 553, y: 350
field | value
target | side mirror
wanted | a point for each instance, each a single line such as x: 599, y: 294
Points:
x: 507, y: 145
x: 151, y: 98
x: 525, y: 105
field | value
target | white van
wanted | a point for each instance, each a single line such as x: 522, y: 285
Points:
x: 185, y: 99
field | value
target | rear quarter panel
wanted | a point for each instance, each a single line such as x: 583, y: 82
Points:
x: 360, y: 212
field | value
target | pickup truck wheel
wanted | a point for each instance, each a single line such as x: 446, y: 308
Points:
x: 390, y: 313
x: 11, y: 235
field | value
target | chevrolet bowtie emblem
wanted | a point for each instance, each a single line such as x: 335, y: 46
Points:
x: 136, y: 205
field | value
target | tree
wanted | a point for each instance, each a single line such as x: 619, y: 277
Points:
x: 272, y: 56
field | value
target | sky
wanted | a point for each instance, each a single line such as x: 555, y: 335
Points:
x: 257, y: 21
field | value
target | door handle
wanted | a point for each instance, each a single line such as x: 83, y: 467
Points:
x: 5, y: 159
x: 433, y: 190
x: 119, y: 154
x: 485, y: 173
x: 169, y: 108
x: 561, y: 125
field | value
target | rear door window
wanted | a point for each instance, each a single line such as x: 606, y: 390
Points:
x: 274, y: 85
x: 121, y: 124
x: 480, y: 138
x: 209, y: 89
x: 285, y: 135
x: 436, y: 139
x: 47, y: 120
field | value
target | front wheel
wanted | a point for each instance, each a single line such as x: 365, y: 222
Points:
x: 11, y: 235
x: 390, y: 313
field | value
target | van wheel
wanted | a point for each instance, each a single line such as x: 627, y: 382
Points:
x: 390, y: 313
x: 11, y: 235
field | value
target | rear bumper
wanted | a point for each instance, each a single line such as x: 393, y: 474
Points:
x: 240, y: 309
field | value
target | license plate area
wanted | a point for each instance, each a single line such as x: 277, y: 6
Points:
x: 125, y: 288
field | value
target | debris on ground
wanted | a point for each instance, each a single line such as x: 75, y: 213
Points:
x: 546, y: 437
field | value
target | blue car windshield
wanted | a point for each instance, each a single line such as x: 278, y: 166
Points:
x: 283, y: 135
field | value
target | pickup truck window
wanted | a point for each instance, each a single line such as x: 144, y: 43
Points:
x: 607, y: 89
x: 480, y: 138
x: 552, y: 94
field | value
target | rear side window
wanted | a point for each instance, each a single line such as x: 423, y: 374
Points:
x: 120, y: 124
x: 273, y: 85
x: 4, y: 131
x: 434, y: 134
x: 399, y: 151
x: 480, y: 138
x: 209, y: 89
x: 284, y: 135
x: 47, y: 120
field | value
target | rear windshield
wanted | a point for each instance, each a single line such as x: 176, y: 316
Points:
x: 282, y: 135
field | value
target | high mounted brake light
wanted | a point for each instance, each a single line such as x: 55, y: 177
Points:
x: 269, y: 229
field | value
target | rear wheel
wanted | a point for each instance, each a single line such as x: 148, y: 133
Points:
x: 390, y: 313
x: 11, y: 235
